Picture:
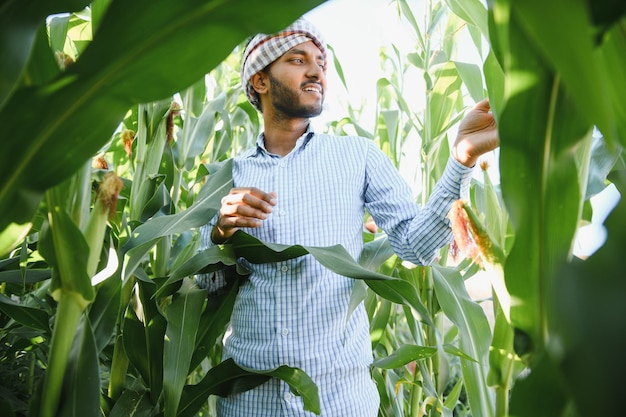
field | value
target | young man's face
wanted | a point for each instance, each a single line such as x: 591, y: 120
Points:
x: 297, y: 81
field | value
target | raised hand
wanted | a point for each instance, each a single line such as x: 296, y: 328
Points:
x: 478, y: 134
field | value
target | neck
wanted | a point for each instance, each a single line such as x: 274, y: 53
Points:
x: 281, y: 135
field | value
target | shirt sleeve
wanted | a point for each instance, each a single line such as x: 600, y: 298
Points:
x: 415, y: 233
x: 212, y: 281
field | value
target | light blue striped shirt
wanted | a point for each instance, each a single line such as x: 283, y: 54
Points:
x: 296, y: 312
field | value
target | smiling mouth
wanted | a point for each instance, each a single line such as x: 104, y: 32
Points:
x: 312, y: 89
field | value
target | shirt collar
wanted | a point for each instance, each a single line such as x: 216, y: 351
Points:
x: 300, y: 143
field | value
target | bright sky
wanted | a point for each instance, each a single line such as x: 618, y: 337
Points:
x: 356, y: 29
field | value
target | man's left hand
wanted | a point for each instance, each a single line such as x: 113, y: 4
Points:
x: 477, y: 135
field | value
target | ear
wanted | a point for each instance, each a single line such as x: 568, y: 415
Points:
x: 259, y: 82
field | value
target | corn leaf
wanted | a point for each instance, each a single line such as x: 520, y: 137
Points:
x: 104, y: 310
x: 404, y: 354
x: 27, y: 316
x: 213, y: 323
x: 143, y: 51
x: 539, y: 182
x: 81, y: 384
x: 228, y: 378
x: 474, y: 336
x: 590, y: 71
x: 337, y: 259
x: 20, y: 21
x: 183, y: 318
x: 132, y: 404
x: 592, y: 339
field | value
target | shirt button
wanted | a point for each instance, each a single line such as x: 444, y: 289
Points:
x: 282, y: 164
x: 288, y: 397
x: 285, y: 268
x: 282, y: 212
x: 285, y: 332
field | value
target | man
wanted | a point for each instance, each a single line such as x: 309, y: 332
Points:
x: 300, y: 187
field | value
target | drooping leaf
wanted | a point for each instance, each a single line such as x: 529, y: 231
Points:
x: 228, y: 378
x: 337, y: 259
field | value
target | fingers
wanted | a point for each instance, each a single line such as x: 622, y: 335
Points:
x: 249, y: 202
x: 242, y: 207
x: 483, y: 105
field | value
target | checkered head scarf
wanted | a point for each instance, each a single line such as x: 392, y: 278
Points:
x: 263, y: 49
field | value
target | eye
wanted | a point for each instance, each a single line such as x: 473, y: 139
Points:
x: 297, y: 60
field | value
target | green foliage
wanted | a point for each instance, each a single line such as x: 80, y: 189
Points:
x: 151, y: 103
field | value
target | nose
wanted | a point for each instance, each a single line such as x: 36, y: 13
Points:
x: 315, y: 71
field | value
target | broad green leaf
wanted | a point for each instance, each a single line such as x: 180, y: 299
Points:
x: 135, y: 256
x: 472, y: 11
x: 161, y: 50
x: 472, y: 78
x: 57, y: 27
x: 335, y: 258
x: 28, y: 316
x: 537, y: 161
x: 379, y: 322
x: 444, y: 99
x: 82, y: 382
x: 453, y: 350
x: 42, y: 66
x: 603, y: 159
x: 213, y: 258
x: 403, y: 355
x: 589, y: 71
x: 203, y: 209
x: 591, y: 340
x: 454, y: 394
x: 474, y: 336
x: 228, y: 378
x: 134, y: 339
x: 406, y: 12
x: 183, y: 317
x: 132, y: 404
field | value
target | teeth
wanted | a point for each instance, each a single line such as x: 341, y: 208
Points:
x: 317, y: 90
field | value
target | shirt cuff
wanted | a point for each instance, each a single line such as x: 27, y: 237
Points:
x: 456, y: 178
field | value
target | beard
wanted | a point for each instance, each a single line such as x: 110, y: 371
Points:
x: 288, y: 103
